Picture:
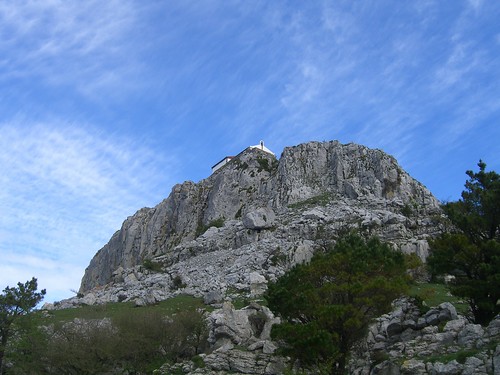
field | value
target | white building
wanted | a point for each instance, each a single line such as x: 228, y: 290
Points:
x: 222, y: 163
x: 261, y: 146
x: 227, y: 159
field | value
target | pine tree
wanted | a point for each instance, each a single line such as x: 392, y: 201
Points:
x: 14, y: 303
x: 472, y: 253
x: 328, y: 304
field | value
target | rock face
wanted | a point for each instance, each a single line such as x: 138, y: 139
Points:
x: 260, y: 215
x: 408, y: 341
x: 240, y: 342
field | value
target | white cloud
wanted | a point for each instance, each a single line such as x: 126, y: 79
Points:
x: 57, y: 277
x: 305, y: 87
x: 340, y: 25
x: 65, y: 190
x: 81, y: 44
x: 475, y: 4
x: 462, y: 60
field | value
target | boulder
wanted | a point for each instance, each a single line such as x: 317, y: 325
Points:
x: 455, y: 326
x: 416, y: 347
x: 262, y: 218
x: 258, y: 284
x: 89, y: 299
x: 245, y: 362
x: 496, y: 360
x: 248, y: 326
x: 493, y: 329
x: 450, y: 368
x: 469, y: 335
x: 474, y: 366
x: 214, y: 296
x: 145, y: 300
x: 413, y: 366
x: 386, y: 368
x: 448, y: 312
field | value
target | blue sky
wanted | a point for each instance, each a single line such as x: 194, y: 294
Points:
x: 105, y: 105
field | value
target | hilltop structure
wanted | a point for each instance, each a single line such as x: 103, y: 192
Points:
x: 262, y: 147
x: 227, y: 159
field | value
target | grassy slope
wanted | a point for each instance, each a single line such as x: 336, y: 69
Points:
x: 433, y: 294
x: 114, y: 310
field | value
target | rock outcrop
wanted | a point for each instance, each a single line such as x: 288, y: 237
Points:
x: 260, y: 215
x: 439, y: 341
x: 241, y: 343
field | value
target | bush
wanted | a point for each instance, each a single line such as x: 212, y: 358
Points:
x: 152, y: 265
x: 135, y: 341
x: 177, y: 283
x: 108, y: 338
x: 198, y: 362
x: 218, y: 223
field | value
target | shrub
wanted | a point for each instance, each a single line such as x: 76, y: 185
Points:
x: 177, y: 283
x: 319, y: 200
x: 152, y: 265
x: 198, y: 361
x: 132, y: 341
x: 218, y: 223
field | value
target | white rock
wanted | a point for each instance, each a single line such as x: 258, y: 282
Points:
x: 262, y: 218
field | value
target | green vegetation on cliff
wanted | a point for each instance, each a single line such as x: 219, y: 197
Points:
x: 328, y: 304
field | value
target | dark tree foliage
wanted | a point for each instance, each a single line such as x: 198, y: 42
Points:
x: 14, y: 303
x: 472, y: 254
x: 128, y: 343
x: 477, y: 214
x: 327, y: 305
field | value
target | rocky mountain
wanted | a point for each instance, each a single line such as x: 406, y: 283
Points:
x: 255, y: 217
x: 225, y: 237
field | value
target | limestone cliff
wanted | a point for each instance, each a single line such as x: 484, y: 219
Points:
x: 264, y: 215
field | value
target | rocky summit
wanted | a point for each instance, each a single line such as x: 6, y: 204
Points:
x: 226, y: 237
x: 254, y: 218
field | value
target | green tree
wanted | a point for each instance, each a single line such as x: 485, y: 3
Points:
x: 133, y: 342
x: 472, y: 253
x: 14, y: 303
x: 27, y: 346
x: 328, y: 304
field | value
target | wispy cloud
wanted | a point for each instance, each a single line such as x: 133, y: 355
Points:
x: 81, y: 45
x: 59, y: 278
x: 65, y: 190
x: 462, y: 60
x: 475, y: 4
x: 467, y: 75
